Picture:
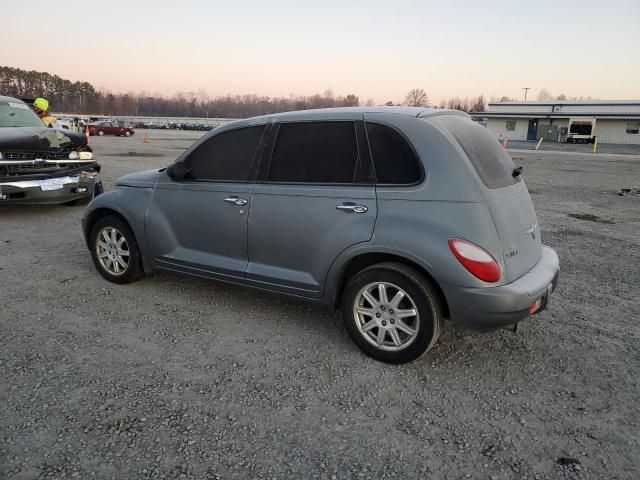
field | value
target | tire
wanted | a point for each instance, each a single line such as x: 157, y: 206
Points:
x: 101, y: 133
x: 419, y: 295
x: 127, y: 134
x: 112, y: 270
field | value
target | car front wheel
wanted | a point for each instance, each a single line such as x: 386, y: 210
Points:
x: 392, y: 312
x: 114, y: 250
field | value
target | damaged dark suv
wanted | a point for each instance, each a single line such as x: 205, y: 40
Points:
x: 40, y: 164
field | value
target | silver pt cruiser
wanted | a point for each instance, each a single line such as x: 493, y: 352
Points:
x: 404, y: 217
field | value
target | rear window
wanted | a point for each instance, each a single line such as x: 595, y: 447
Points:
x: 492, y: 162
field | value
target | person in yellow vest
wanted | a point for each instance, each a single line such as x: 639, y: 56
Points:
x: 41, y: 106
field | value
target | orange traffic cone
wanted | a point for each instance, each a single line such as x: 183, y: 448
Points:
x: 146, y: 138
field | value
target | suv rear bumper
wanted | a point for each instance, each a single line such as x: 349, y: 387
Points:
x: 494, y: 307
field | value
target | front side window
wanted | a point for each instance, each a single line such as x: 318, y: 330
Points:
x: 394, y: 160
x: 227, y: 156
x: 511, y: 125
x: 314, y: 152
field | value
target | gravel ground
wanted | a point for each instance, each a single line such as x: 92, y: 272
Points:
x: 173, y: 377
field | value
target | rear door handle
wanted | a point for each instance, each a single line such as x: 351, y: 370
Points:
x: 236, y: 201
x: 352, y: 208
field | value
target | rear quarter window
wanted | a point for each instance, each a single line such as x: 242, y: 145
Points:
x: 492, y: 162
x: 394, y: 161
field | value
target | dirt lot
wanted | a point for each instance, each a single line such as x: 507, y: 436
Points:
x: 179, y: 378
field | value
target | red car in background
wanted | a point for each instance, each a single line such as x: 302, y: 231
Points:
x: 109, y: 128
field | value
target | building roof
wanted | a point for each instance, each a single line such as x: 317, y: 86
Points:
x: 564, y: 109
x: 571, y: 102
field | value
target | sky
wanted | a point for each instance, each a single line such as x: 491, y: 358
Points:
x: 375, y: 49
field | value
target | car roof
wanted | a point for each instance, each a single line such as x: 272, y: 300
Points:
x: 9, y: 99
x: 395, y: 110
x: 339, y: 113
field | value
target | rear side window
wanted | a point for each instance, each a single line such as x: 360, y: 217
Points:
x: 393, y: 158
x: 491, y: 161
x: 314, y: 152
x: 227, y: 156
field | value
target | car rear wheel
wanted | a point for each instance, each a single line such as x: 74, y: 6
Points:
x: 114, y: 250
x: 392, y: 312
x: 127, y: 134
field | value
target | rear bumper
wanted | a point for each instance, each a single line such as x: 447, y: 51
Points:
x: 495, y: 307
x: 60, y: 189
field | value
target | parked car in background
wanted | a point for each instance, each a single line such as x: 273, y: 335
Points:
x: 402, y: 216
x: 40, y: 164
x: 109, y: 127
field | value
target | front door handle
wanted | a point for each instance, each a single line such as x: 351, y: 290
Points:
x: 236, y: 201
x: 352, y: 208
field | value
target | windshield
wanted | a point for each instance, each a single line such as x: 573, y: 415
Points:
x: 18, y: 114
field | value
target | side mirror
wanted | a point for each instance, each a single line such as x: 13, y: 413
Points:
x: 177, y: 171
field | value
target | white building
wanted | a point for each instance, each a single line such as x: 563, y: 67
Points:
x: 613, y: 121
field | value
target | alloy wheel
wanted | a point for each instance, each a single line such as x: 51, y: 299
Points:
x: 386, y: 316
x: 112, y: 250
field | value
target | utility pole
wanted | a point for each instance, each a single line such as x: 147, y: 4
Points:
x: 526, y: 89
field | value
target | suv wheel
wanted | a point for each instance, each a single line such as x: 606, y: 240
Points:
x: 114, y: 250
x: 392, y: 312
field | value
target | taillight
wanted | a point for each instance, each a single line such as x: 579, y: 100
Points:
x: 478, y: 261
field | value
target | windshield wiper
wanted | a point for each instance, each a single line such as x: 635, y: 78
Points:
x: 516, y: 172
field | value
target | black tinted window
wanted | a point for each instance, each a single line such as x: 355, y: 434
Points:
x: 314, y: 152
x: 226, y: 156
x: 491, y: 161
x: 393, y: 158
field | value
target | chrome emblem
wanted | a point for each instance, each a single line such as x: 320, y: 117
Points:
x: 510, y: 252
x: 532, y: 230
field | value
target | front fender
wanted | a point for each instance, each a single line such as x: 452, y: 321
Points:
x: 128, y: 202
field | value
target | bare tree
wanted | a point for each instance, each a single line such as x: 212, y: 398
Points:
x: 545, y: 94
x: 562, y: 96
x: 417, y: 98
x: 351, y: 101
x: 479, y: 104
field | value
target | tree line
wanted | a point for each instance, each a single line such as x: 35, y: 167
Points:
x: 83, y: 98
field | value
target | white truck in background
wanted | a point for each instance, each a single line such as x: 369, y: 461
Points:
x: 581, y: 130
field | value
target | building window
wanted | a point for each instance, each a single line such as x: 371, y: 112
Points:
x: 633, y: 128
x: 511, y: 125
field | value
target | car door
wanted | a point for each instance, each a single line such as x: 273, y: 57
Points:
x: 315, y: 198
x: 199, y: 225
x: 112, y: 129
